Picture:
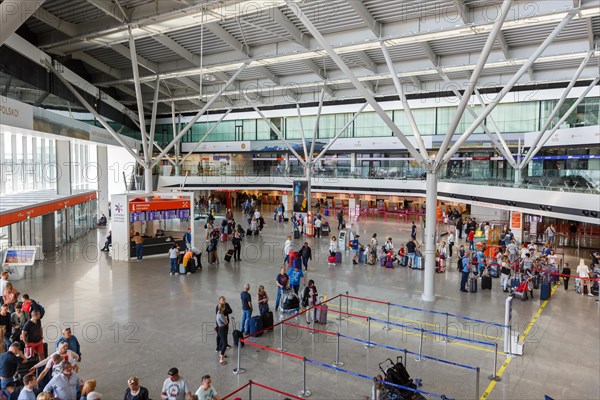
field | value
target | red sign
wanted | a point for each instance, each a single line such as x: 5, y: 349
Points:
x: 137, y: 205
x: 37, y: 210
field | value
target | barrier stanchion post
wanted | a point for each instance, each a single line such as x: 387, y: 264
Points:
x: 281, y: 348
x: 418, y: 358
x: 337, y: 362
x: 250, y: 390
x: 446, y: 339
x: 239, y: 370
x: 387, y: 321
x: 369, y: 344
x: 340, y: 317
x: 510, y: 341
x: 495, y: 377
x: 304, y: 392
x: 405, y: 359
x: 347, y: 301
x: 477, y: 383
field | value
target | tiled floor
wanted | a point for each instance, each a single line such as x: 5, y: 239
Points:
x: 135, y: 319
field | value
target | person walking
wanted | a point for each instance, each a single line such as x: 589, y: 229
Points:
x: 139, y: 246
x: 566, y: 271
x: 459, y: 227
x: 584, y: 276
x: 305, y: 254
x: 413, y: 231
x: 246, y: 299
x: 450, y: 244
x: 287, y: 247
x: 187, y: 238
x: 282, y: 281
x: 295, y: 274
x: 340, y: 218
x: 173, y: 259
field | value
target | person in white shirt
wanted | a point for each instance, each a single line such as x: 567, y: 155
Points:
x: 552, y: 258
x: 257, y: 215
x: 333, y: 246
x: 3, y: 280
x: 450, y: 244
x: 318, y: 227
x: 175, y: 387
x: 389, y: 245
x: 287, y: 246
x: 524, y: 252
x: 206, y: 391
x: 584, y: 275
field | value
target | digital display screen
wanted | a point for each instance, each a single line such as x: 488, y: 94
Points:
x: 19, y: 256
x: 183, y: 214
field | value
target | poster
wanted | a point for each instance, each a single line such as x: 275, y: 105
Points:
x: 300, y: 200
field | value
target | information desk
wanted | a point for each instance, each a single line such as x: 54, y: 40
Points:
x: 154, y: 246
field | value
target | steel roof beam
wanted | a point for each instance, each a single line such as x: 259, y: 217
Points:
x: 91, y: 109
x: 503, y: 46
x: 355, y: 81
x: 99, y: 65
x: 124, y: 51
x: 297, y: 36
x: 226, y: 37
x: 590, y: 32
x: 53, y: 21
x: 109, y: 8
x: 433, y: 58
x: 556, y: 108
x: 463, y: 11
x: 472, y: 84
x: 366, y: 16
x: 199, y: 114
x: 269, y: 75
x: 138, y: 96
x: 177, y: 48
x: 13, y: 14
x: 366, y: 61
x: 508, y: 86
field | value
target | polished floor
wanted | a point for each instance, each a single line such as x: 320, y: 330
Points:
x: 135, y: 319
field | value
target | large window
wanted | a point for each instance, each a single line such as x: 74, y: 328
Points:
x: 516, y: 117
x: 370, y: 124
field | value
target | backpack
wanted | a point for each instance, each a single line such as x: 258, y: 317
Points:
x: 35, y: 306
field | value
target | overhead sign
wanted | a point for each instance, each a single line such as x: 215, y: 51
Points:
x: 138, y: 205
x: 14, y: 113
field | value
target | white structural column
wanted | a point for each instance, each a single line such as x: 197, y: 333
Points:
x: 430, y: 224
x: 13, y: 14
x: 102, y: 175
x: 63, y: 167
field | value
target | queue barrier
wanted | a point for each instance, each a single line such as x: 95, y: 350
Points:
x: 251, y: 383
x: 338, y: 364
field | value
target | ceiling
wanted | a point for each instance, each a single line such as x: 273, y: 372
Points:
x: 186, y: 43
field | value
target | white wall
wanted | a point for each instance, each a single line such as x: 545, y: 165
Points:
x: 488, y: 213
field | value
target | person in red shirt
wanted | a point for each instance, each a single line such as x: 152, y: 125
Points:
x: 471, y: 239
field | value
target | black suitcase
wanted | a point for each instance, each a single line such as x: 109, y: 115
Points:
x: 248, y: 232
x: 268, y: 320
x: 296, y: 234
x: 192, y: 265
x: 228, y: 255
x: 486, y: 282
x: 536, y: 281
x: 256, y: 232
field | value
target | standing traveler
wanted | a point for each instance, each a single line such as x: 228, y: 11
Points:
x: 450, y: 244
x: 206, y: 391
x: 33, y: 335
x: 173, y: 259
x: 139, y: 246
x: 134, y: 391
x: 309, y: 299
x: 246, y: 309
x: 318, y: 223
x: 263, y: 300
x: 340, y: 218
x: 459, y: 227
x: 222, y: 331
x: 9, y: 363
x: 355, y: 245
x: 566, y: 271
x: 65, y: 385
x: 282, y: 281
x: 287, y: 247
x: 504, y: 276
x: 584, y: 276
x: 550, y: 234
x: 187, y: 238
x: 413, y: 231
x: 465, y: 273
x: 227, y: 312
x: 236, y: 241
x: 411, y: 251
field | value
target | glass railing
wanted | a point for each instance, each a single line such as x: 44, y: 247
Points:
x: 582, y: 181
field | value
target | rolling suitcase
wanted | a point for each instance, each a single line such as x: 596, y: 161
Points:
x: 321, y: 313
x: 223, y: 237
x: 493, y: 269
x: 228, y: 255
x: 382, y: 261
x: 418, y: 264
x: 267, y: 320
x: 192, y: 265
x: 486, y: 282
x: 296, y: 234
x: 403, y: 261
x: 545, y: 291
x: 536, y: 281
x: 331, y: 259
x: 362, y: 257
x: 248, y: 232
x: 255, y: 325
x: 182, y: 269
x: 338, y: 257
x: 472, y: 284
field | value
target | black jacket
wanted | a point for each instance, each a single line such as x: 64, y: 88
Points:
x: 306, y: 252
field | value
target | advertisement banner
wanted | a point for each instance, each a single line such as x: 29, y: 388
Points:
x: 300, y: 201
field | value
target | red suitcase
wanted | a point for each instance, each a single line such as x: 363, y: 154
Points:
x: 223, y: 237
x: 331, y: 259
x: 293, y: 256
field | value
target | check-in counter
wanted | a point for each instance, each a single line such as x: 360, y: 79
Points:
x: 154, y: 246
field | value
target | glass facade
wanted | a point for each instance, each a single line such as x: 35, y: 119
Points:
x: 520, y: 117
